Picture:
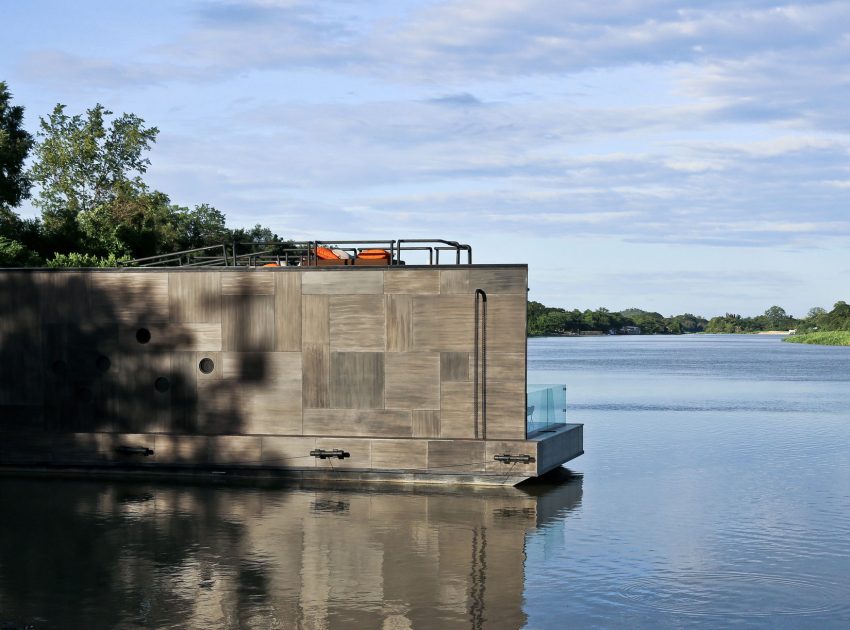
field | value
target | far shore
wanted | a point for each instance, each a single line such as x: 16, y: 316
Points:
x: 822, y: 338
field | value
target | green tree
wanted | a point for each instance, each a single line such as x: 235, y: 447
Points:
x: 777, y: 318
x: 85, y: 165
x: 15, y: 145
x: 204, y: 225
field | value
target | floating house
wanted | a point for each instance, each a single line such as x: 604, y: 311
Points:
x: 311, y: 360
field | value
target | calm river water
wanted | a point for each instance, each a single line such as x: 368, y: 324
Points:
x: 714, y: 492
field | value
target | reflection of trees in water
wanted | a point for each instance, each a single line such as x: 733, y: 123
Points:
x: 81, y: 554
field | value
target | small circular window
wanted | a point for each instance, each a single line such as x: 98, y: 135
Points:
x: 103, y: 363
x: 206, y: 365
x: 143, y: 335
x: 162, y: 385
x: 59, y: 367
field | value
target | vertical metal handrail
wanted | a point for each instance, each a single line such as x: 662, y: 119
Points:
x: 480, y: 359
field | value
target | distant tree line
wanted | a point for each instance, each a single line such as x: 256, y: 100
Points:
x: 547, y: 321
x: 96, y: 210
x: 819, y: 320
x: 774, y: 318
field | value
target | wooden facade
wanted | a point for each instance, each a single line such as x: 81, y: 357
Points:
x: 257, y: 367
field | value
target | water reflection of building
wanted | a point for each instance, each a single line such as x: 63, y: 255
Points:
x: 308, y: 558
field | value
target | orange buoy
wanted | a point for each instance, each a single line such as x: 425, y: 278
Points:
x: 374, y: 254
x: 325, y: 254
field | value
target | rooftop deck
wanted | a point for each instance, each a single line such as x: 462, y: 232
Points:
x: 315, y: 253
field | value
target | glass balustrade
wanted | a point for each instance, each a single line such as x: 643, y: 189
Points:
x: 546, y: 407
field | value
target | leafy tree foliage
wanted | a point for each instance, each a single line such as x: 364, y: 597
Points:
x: 777, y: 318
x: 96, y: 210
x: 89, y: 173
x: 822, y: 321
x: 84, y: 260
x: 15, y: 145
x: 543, y: 320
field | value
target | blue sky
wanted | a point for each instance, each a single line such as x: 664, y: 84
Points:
x: 666, y: 155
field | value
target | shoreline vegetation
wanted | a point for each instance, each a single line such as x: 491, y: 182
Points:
x: 823, y: 338
x: 817, y: 327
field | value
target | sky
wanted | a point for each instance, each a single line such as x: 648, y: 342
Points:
x: 670, y: 156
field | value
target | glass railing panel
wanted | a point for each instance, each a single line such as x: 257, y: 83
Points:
x: 546, y: 407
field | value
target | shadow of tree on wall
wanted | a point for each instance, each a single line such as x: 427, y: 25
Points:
x: 78, y: 369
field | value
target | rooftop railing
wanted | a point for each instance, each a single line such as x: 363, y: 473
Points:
x: 310, y: 254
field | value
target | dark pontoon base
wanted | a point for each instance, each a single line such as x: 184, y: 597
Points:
x: 554, y: 448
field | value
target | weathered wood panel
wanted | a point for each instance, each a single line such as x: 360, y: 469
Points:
x: 290, y: 452
x: 21, y: 368
x: 399, y: 323
x: 184, y: 392
x: 247, y: 283
x: 235, y: 450
x: 505, y: 281
x: 183, y: 337
x: 506, y: 410
x: 221, y: 407
x: 315, y: 319
x: 357, y: 380
x: 443, y: 324
x: 412, y: 380
x: 426, y: 423
x: 186, y: 450
x: 134, y: 298
x: 141, y: 407
x: 454, y: 281
x: 455, y: 366
x: 287, y: 300
x: 506, y: 367
x: 64, y: 296
x: 412, y: 281
x: 315, y: 381
x: 399, y: 454
x: 247, y: 323
x: 456, y: 456
x: 506, y: 323
x: 357, y: 323
x: 261, y: 391
x: 342, y: 282
x: 358, y: 422
x: 457, y: 418
x: 194, y: 296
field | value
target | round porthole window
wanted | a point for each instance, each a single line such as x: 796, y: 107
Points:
x: 143, y: 335
x: 162, y: 385
x: 103, y: 363
x: 59, y: 367
x: 206, y: 365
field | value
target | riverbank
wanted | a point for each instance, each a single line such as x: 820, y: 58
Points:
x: 824, y: 338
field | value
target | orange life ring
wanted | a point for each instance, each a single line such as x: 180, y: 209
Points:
x: 325, y: 254
x: 374, y: 254
x: 271, y: 265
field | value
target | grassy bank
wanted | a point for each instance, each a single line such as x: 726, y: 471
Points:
x: 826, y: 338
